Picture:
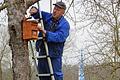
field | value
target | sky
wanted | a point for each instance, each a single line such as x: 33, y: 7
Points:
x: 1, y: 1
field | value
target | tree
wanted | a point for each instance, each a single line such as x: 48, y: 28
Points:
x: 20, y: 55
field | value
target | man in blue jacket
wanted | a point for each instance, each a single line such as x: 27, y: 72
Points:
x: 56, y: 31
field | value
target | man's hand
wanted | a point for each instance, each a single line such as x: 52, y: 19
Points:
x: 41, y: 29
x: 33, y: 10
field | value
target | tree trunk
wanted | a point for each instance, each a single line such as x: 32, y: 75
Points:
x: 0, y: 71
x: 20, y: 54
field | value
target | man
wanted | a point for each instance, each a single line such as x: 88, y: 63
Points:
x: 56, y: 31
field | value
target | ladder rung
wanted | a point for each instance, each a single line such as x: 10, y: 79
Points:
x: 40, y: 37
x: 40, y: 57
x: 44, y: 74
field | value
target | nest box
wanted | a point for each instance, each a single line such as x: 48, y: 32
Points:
x: 30, y: 30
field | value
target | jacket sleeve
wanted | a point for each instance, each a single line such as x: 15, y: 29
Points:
x: 37, y: 15
x: 59, y: 35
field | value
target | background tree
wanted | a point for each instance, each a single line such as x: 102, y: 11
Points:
x: 103, y: 42
x: 5, y: 57
x: 99, y: 20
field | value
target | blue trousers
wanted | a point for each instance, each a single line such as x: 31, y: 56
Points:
x: 57, y: 68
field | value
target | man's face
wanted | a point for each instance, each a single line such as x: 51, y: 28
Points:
x: 57, y: 12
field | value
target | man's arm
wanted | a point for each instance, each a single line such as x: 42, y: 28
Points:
x: 59, y: 35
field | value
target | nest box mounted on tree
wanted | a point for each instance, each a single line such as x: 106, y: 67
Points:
x: 30, y: 30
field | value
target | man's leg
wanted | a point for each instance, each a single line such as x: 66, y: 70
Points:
x: 57, y: 68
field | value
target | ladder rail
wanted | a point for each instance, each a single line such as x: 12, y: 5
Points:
x: 33, y: 55
x: 35, y: 63
x: 45, y: 44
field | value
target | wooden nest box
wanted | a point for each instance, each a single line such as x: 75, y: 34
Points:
x: 30, y: 30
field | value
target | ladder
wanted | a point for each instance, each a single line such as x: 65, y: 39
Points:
x: 46, y: 49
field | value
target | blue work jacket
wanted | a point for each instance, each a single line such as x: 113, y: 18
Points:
x: 55, y: 38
